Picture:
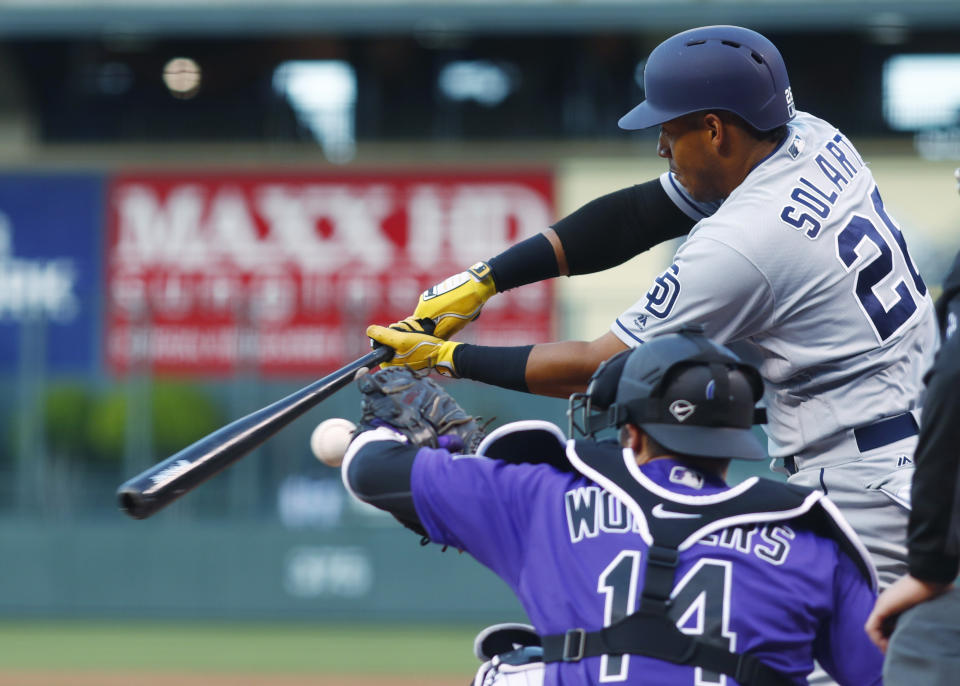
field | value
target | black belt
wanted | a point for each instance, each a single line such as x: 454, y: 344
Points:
x: 876, y: 435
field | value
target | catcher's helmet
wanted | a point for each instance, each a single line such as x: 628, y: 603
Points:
x: 714, y: 68
x: 689, y: 394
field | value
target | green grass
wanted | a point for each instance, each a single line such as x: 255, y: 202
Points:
x: 236, y: 647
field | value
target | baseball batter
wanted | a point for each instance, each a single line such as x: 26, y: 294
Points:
x: 695, y: 582
x: 790, y: 250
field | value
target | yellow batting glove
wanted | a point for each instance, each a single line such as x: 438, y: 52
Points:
x: 416, y: 350
x: 455, y: 302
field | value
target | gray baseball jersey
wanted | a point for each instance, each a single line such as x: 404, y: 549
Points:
x: 805, y: 263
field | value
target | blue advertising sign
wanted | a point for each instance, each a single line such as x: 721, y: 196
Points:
x: 50, y: 268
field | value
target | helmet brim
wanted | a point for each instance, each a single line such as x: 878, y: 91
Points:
x: 707, y: 441
x: 645, y: 115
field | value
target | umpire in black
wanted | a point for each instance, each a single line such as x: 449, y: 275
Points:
x: 925, y: 646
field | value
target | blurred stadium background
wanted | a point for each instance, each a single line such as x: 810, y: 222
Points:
x: 204, y: 202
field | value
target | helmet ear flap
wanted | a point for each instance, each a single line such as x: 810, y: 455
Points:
x: 602, y: 389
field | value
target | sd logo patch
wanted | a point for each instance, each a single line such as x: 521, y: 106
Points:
x: 663, y: 294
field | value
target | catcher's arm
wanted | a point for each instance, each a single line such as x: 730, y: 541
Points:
x: 401, y: 412
x: 376, y: 470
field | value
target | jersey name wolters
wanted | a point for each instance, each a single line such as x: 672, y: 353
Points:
x: 592, y: 510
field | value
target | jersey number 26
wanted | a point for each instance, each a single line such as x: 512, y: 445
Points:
x: 870, y: 274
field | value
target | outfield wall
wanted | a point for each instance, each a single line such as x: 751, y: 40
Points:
x: 250, y: 571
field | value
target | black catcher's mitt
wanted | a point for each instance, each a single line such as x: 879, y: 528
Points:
x: 418, y: 408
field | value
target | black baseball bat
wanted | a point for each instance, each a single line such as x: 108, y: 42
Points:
x: 164, y: 482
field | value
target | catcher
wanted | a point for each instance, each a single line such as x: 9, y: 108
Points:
x: 635, y: 562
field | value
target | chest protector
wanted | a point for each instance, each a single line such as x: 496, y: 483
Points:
x: 649, y: 631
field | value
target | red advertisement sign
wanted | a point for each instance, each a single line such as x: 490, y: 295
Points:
x: 211, y: 274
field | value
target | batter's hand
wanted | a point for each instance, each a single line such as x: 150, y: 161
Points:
x: 906, y: 592
x: 416, y: 350
x: 453, y: 303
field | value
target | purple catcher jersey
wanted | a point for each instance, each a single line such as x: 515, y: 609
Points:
x: 572, y: 554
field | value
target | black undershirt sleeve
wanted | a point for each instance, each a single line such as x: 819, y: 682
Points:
x: 505, y: 367
x: 379, y: 474
x: 603, y: 233
x: 613, y: 228
x: 526, y: 262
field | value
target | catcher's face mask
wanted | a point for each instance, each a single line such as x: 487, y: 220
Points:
x: 591, y: 407
x: 692, y: 396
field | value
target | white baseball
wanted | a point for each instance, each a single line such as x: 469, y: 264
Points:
x: 329, y: 441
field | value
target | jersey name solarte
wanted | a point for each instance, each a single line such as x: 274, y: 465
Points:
x: 838, y: 163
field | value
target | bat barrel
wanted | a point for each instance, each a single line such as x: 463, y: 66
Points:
x: 166, y: 481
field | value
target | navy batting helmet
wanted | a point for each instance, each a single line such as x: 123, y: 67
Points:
x: 714, y: 68
x: 689, y: 394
